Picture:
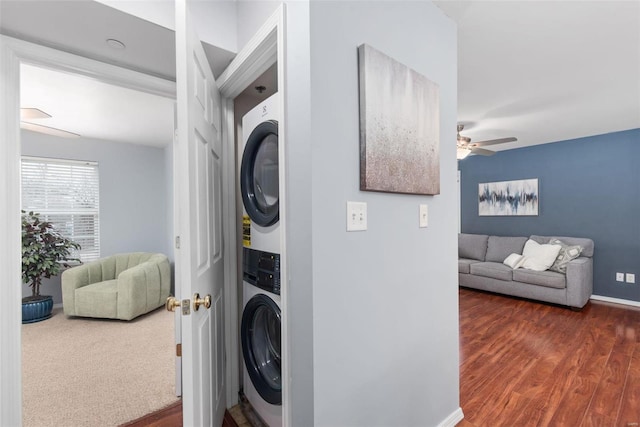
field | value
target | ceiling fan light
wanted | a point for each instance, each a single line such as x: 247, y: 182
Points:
x: 48, y: 130
x: 33, y: 113
x: 462, y: 152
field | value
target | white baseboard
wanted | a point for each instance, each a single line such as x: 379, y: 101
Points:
x: 616, y: 300
x: 452, y: 419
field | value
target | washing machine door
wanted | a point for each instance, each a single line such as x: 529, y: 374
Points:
x: 259, y: 174
x: 260, y: 336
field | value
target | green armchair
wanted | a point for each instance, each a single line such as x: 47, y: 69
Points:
x: 122, y: 286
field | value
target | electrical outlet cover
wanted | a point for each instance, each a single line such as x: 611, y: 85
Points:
x: 356, y: 216
x: 631, y: 278
x: 424, y: 216
x: 620, y: 277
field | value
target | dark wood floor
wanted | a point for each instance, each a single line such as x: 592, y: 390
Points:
x: 530, y: 364
x: 171, y: 416
x: 525, y: 364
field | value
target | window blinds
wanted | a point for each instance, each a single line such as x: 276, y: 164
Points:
x: 66, y: 193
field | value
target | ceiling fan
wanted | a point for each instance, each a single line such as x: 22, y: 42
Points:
x: 34, y: 114
x: 466, y: 147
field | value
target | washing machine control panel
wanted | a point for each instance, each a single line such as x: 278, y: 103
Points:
x: 261, y: 269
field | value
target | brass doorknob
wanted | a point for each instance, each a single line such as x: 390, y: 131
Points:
x: 172, y: 303
x: 197, y: 301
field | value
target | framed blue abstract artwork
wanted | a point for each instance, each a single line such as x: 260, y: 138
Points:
x: 508, y: 198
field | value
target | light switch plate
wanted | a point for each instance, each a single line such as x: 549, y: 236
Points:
x: 424, y: 216
x: 356, y: 216
x: 631, y: 278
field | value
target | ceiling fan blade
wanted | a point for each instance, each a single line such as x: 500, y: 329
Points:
x: 33, y: 113
x: 482, y: 152
x: 494, y: 141
x: 47, y: 130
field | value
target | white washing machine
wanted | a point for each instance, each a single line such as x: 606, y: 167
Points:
x: 259, y: 177
x: 261, y: 351
x: 260, y: 328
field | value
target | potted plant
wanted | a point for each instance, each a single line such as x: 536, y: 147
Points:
x: 44, y: 252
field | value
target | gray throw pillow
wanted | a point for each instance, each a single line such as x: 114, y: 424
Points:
x: 566, y: 254
x: 500, y: 247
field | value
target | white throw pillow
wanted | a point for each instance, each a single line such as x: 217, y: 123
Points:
x: 539, y: 257
x: 514, y: 261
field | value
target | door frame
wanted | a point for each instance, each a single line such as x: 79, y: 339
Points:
x: 264, y: 49
x: 14, y: 52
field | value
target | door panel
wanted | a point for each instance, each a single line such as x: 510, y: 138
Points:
x: 199, y: 177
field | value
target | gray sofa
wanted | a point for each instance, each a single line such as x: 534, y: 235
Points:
x: 480, y: 266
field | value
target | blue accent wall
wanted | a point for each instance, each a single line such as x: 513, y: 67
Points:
x: 588, y: 187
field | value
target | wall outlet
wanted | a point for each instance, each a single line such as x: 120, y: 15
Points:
x: 631, y: 278
x: 619, y: 277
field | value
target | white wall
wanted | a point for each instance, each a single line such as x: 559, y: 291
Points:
x: 216, y: 23
x: 160, y: 12
x: 134, y: 200
x: 385, y: 301
x: 251, y: 14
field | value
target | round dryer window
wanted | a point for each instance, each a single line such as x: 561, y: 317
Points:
x: 260, y: 336
x: 259, y: 181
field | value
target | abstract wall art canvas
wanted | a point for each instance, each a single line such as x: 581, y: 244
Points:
x: 508, y: 198
x: 399, y: 126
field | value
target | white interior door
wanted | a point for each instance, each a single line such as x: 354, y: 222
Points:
x: 199, y: 179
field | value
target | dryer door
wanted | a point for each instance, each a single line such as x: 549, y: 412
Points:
x: 260, y: 336
x: 259, y: 174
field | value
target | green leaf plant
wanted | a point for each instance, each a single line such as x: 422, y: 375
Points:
x: 44, y: 252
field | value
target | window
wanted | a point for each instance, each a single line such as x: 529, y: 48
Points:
x: 66, y: 193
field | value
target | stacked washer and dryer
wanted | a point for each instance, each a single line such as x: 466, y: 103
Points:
x: 261, y: 314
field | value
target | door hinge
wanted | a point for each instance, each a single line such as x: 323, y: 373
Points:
x: 178, y: 350
x: 177, y: 242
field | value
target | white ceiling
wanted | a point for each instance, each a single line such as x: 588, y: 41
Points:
x: 94, y: 109
x: 542, y: 71
x: 87, y: 106
x: 546, y: 71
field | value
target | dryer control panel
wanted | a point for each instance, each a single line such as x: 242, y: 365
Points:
x: 261, y: 269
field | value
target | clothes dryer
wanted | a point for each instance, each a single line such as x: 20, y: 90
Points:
x: 260, y: 333
x: 259, y: 177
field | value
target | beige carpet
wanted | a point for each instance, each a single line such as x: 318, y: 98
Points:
x: 89, y: 372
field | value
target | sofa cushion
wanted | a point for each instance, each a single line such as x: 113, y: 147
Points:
x: 499, y: 247
x: 587, y: 244
x: 491, y: 269
x: 550, y: 279
x: 472, y: 246
x: 539, y: 257
x: 98, y: 299
x: 464, y: 265
x: 566, y: 254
